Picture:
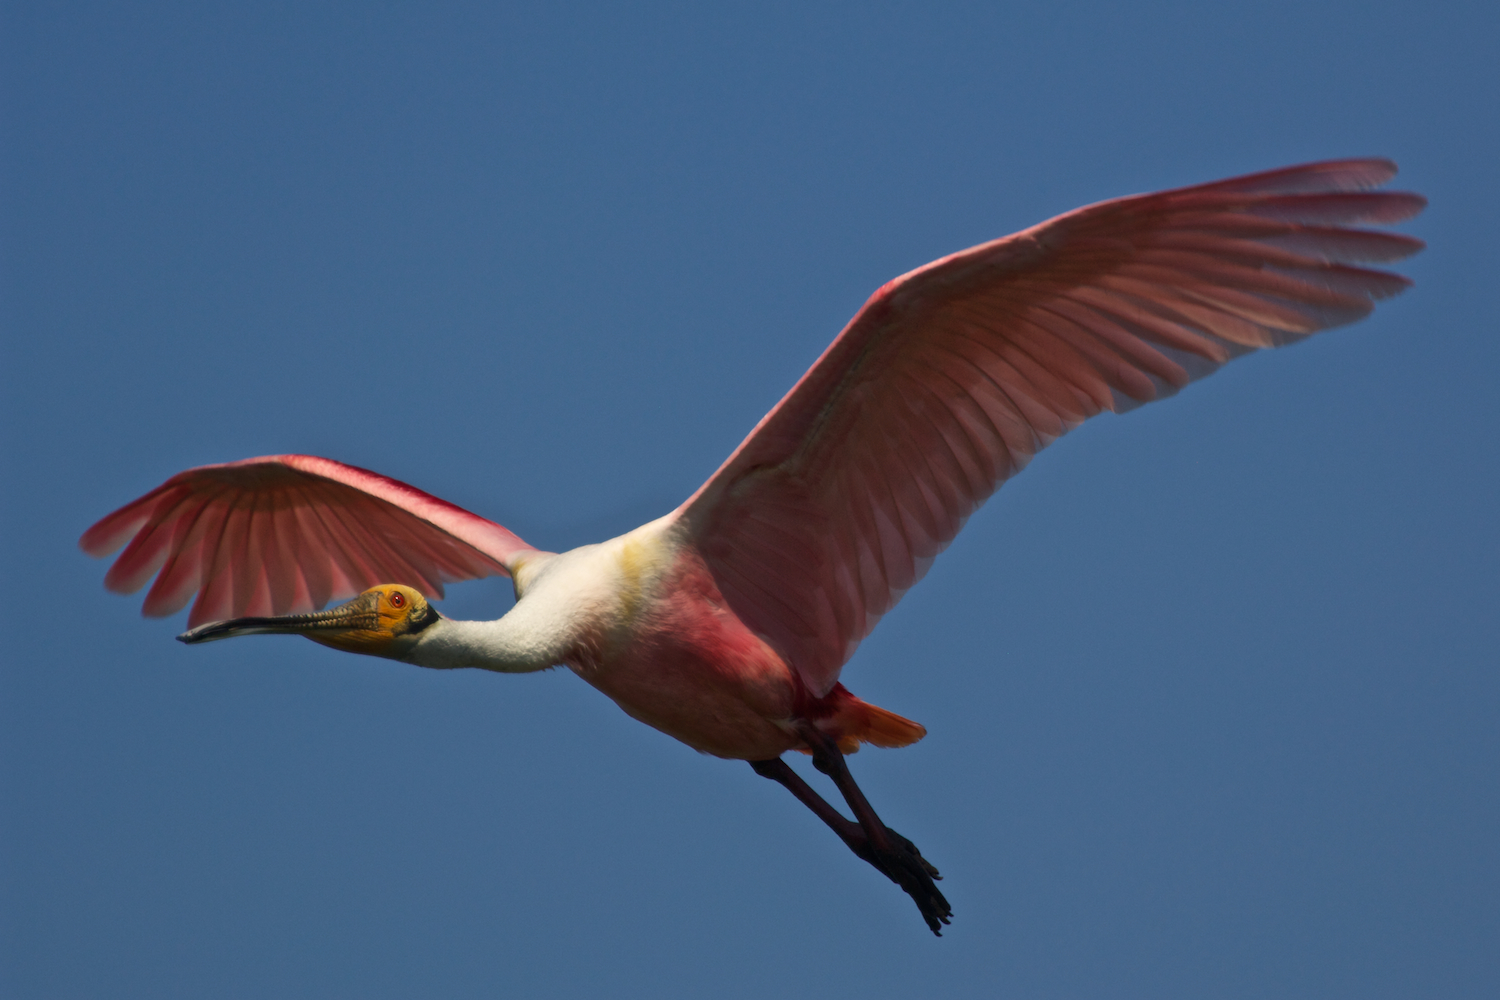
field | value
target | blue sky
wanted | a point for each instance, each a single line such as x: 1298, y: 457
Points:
x: 1211, y: 688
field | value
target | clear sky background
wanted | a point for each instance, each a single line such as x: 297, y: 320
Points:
x: 1212, y: 688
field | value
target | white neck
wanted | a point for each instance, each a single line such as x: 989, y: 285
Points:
x: 510, y: 645
x: 564, y: 604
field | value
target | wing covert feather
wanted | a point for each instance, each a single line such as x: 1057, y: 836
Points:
x: 953, y: 376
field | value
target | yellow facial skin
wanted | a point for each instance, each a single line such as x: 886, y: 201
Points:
x: 382, y: 618
x: 383, y: 621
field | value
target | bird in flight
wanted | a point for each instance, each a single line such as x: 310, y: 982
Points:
x: 725, y: 624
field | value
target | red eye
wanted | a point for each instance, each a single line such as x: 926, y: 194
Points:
x: 398, y: 600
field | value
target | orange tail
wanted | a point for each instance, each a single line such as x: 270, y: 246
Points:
x: 887, y: 729
x: 853, y: 721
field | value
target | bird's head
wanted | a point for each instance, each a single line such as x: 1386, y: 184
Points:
x: 383, y: 621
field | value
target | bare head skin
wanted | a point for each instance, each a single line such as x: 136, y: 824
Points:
x: 383, y: 621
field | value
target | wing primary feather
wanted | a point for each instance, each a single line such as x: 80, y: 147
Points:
x: 289, y: 592
x: 216, y: 599
x: 1346, y: 245
x: 312, y: 549
x: 178, y: 579
x: 1365, y: 172
x: 1385, y: 207
x: 246, y: 569
x: 115, y: 529
x: 354, y: 557
x: 148, y: 551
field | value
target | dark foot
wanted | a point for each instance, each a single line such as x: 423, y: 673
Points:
x: 904, y: 865
x: 891, y: 854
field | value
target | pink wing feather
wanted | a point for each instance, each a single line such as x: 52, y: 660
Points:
x: 283, y: 534
x: 952, y: 376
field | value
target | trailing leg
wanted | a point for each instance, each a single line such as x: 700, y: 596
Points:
x: 779, y: 771
x: 892, y: 854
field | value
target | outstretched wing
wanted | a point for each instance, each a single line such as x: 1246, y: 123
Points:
x: 284, y: 534
x: 952, y: 376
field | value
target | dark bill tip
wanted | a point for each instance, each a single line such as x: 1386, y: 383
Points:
x: 230, y: 629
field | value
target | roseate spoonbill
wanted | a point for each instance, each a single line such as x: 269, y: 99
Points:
x: 726, y: 622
